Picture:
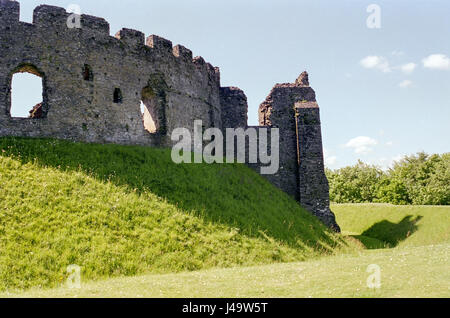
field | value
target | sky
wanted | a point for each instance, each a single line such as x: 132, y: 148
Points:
x: 382, y: 80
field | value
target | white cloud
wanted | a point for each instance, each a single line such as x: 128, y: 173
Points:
x: 376, y: 62
x: 397, y: 158
x: 381, y: 162
x: 408, y: 68
x: 437, y: 62
x: 405, y: 84
x: 329, y: 160
x: 385, y: 163
x: 361, y: 144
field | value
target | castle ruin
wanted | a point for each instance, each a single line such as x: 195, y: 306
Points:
x: 94, y: 83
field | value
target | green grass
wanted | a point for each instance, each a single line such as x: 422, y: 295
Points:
x: 406, y: 272
x: 416, y: 267
x: 141, y: 226
x: 125, y: 211
x: 385, y: 225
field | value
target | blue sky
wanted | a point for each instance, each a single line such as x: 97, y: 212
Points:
x: 383, y: 92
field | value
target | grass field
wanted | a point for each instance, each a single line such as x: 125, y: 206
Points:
x: 406, y: 272
x: 417, y: 267
x: 385, y: 225
x: 125, y: 211
x: 140, y: 226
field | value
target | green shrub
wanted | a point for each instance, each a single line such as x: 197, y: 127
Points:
x: 419, y: 179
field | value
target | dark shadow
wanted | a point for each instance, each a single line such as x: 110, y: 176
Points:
x: 386, y: 234
x: 88, y: 74
x: 229, y: 194
x: 117, y: 98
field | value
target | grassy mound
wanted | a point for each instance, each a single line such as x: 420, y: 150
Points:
x: 122, y: 211
x: 385, y: 225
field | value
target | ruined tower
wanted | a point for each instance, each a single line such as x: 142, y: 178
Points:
x: 294, y: 110
x: 94, y: 85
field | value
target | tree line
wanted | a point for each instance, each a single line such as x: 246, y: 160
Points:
x: 419, y: 179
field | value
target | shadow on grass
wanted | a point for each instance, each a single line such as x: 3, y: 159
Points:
x: 229, y: 194
x: 386, y: 234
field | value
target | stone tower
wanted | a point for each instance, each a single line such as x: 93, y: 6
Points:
x: 294, y: 110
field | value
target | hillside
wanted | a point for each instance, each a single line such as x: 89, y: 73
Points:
x: 416, y: 267
x: 123, y: 211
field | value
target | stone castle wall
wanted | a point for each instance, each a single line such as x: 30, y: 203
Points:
x: 93, y: 85
x: 83, y: 108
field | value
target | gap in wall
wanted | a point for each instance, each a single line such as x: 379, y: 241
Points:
x: 149, y: 123
x: 26, y: 93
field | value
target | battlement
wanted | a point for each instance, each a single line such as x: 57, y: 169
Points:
x: 9, y: 12
x: 131, y: 37
x: 199, y: 61
x: 95, y: 24
x: 182, y: 52
x: 158, y: 43
x: 47, y: 17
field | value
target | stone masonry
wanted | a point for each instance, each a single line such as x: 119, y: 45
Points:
x: 294, y: 110
x: 94, y: 83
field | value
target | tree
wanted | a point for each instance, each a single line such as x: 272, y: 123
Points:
x: 416, y: 179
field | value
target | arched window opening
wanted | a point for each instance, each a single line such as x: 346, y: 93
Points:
x: 27, y: 93
x: 118, y: 96
x: 149, y: 123
x: 88, y: 75
x: 149, y: 110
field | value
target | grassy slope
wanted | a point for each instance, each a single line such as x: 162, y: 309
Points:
x: 385, y: 225
x: 406, y: 272
x: 417, y: 267
x: 122, y: 211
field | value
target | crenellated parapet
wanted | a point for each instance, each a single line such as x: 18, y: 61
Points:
x: 55, y: 19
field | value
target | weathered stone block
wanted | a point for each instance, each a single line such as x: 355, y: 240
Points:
x: 234, y: 107
x: 133, y: 38
x: 159, y: 43
x: 9, y: 12
x: 90, y: 23
x: 199, y: 61
x: 182, y: 52
x: 50, y: 17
